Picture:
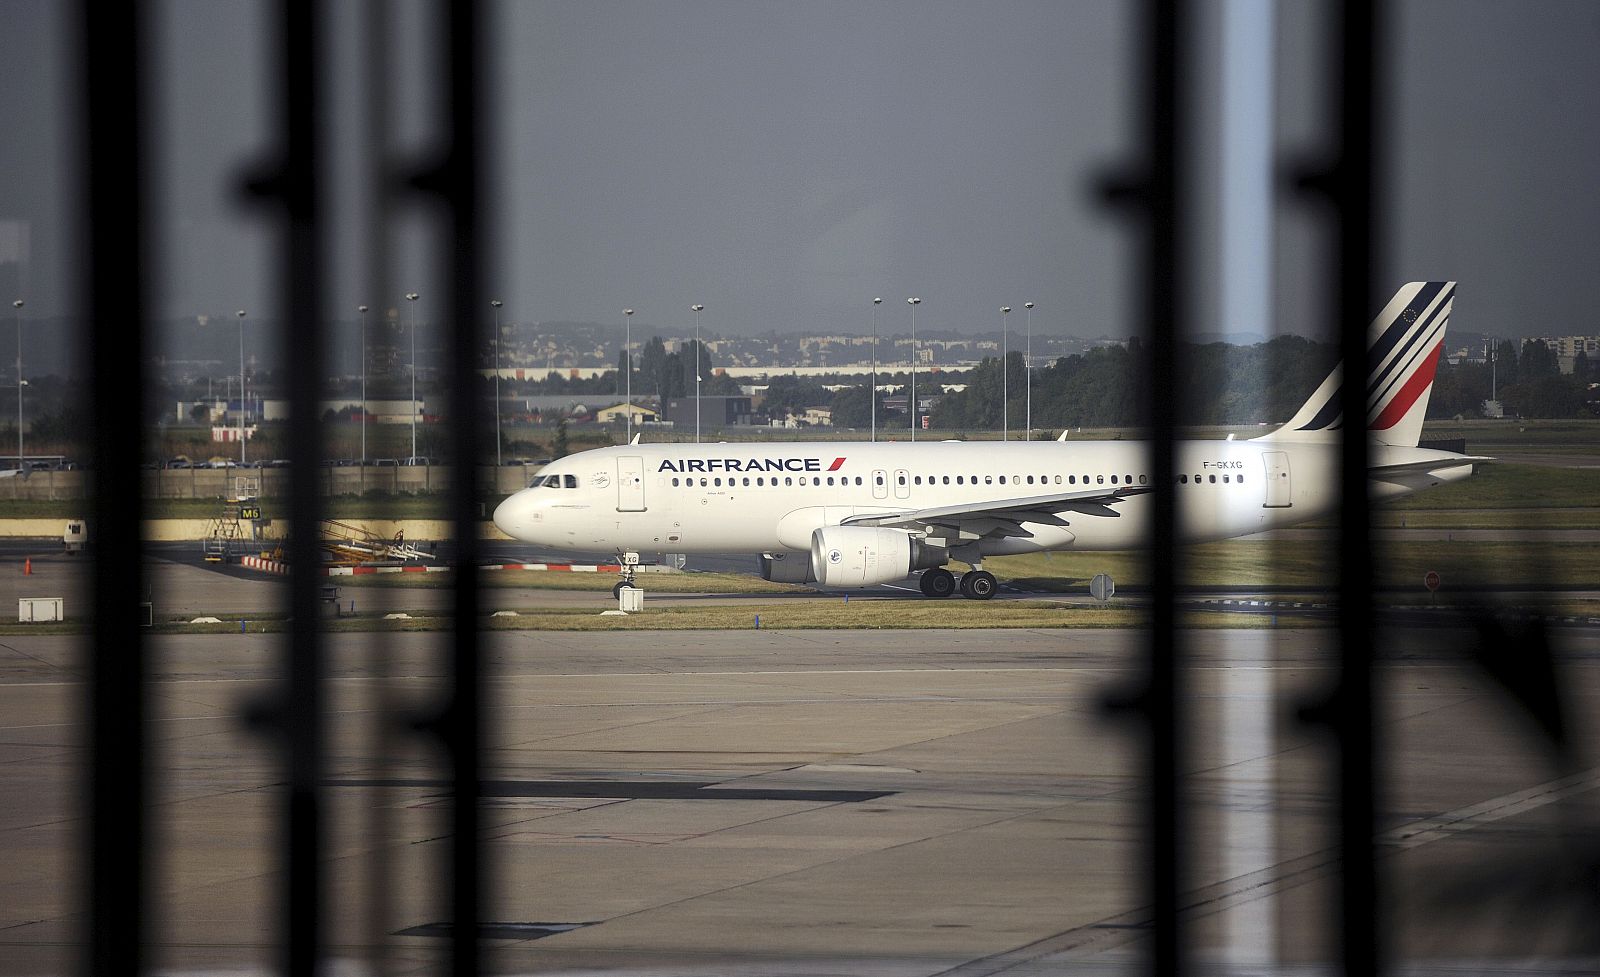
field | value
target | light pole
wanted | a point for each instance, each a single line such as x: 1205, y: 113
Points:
x: 627, y: 358
x: 1027, y: 370
x: 1005, y: 373
x: 411, y: 315
x: 21, y: 465
x: 874, y: 391
x: 697, y: 309
x: 363, y: 310
x: 912, y: 403
x: 240, y: 314
x: 496, y: 304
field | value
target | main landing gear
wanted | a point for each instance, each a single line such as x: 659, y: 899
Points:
x: 975, y: 584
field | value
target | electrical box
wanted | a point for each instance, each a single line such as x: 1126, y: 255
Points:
x: 37, y: 610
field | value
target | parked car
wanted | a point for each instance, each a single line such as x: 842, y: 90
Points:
x: 419, y: 460
x: 386, y: 462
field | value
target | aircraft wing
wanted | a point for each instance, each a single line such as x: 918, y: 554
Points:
x: 1002, y: 517
x: 1423, y: 467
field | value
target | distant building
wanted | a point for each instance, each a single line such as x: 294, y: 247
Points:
x: 818, y: 417
x: 619, y: 413
x: 714, y: 411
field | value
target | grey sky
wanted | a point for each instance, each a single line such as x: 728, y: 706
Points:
x: 785, y: 162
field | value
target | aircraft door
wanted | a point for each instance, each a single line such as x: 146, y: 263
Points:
x: 1279, y: 492
x: 630, y: 484
x: 880, y: 484
x: 902, y: 484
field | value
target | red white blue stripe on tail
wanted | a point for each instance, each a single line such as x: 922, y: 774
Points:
x: 1403, y: 350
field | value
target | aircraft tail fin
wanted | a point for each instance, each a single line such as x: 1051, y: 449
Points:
x: 1403, y: 349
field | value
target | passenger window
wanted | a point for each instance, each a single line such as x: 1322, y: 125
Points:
x: 1184, y: 479
x: 1239, y: 478
x: 1071, y: 479
x: 1141, y: 479
x: 988, y: 479
x: 946, y: 479
x: 916, y: 480
x: 747, y: 481
x: 572, y: 481
x: 760, y: 481
x: 1030, y: 479
x: 1213, y: 479
x: 674, y: 483
x: 877, y: 479
x: 1113, y: 479
x: 961, y: 480
x: 1058, y: 479
x: 1224, y: 479
x: 858, y: 479
x: 717, y: 482
x: 830, y: 479
x: 1101, y: 479
x: 788, y: 481
x: 1127, y: 479
x: 1002, y: 479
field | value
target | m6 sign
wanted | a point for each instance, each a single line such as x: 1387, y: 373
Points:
x: 1430, y: 580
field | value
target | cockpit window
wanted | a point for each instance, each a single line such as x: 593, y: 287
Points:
x: 572, y: 481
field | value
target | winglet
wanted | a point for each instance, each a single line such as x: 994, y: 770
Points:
x: 636, y: 438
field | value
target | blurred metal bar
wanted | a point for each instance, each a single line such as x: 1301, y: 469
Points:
x: 458, y: 181
x: 302, y: 264
x: 1352, y: 187
x: 1157, y: 191
x: 374, y: 20
x: 1166, y: 301
x: 1355, y: 191
x: 116, y: 272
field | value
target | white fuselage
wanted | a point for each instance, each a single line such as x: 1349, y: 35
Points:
x: 770, y: 497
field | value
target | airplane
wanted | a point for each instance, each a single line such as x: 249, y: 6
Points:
x: 850, y: 514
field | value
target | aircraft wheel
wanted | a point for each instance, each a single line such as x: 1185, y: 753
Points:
x: 978, y: 585
x: 616, y: 590
x: 938, y: 582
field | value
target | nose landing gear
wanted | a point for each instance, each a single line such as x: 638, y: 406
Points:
x: 630, y: 570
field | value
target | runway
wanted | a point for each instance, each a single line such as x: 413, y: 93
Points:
x: 896, y: 803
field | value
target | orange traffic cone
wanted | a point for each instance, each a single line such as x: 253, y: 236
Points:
x: 27, y: 567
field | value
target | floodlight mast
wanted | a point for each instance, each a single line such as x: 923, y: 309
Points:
x: 912, y: 404
x: 627, y: 358
x: 874, y: 390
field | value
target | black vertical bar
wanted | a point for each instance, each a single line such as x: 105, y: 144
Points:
x: 302, y: 265
x: 376, y: 131
x: 461, y: 727
x: 1355, y: 188
x: 115, y: 276
x: 1165, y: 305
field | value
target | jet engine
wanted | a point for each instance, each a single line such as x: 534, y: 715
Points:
x: 785, y: 567
x: 859, y: 556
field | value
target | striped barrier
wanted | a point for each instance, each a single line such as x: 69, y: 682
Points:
x: 282, y: 569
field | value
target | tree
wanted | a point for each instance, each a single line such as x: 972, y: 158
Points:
x: 619, y: 383
x: 561, y: 445
x: 852, y: 407
x: 669, y: 379
x: 650, y: 360
x: 1537, y: 362
x: 792, y: 394
x: 1580, y: 366
x: 1505, y: 363
x: 1558, y: 396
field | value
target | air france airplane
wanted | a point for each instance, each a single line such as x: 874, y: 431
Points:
x: 852, y: 514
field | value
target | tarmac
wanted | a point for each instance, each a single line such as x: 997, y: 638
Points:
x: 815, y: 802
